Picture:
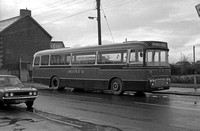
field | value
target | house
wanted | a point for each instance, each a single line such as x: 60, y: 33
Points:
x: 57, y: 44
x: 20, y: 38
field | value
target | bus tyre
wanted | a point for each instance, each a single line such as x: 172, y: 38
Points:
x: 117, y: 86
x: 55, y: 83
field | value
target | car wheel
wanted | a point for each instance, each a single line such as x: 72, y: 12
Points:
x: 117, y: 86
x: 55, y: 83
x: 29, y: 104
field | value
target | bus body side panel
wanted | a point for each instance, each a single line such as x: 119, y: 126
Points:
x: 85, y: 77
x: 38, y: 76
x: 87, y: 84
x: 133, y: 79
x: 136, y: 78
x: 135, y: 85
x: 75, y: 77
x: 98, y: 78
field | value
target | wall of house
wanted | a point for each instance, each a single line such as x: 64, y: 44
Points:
x: 22, y: 41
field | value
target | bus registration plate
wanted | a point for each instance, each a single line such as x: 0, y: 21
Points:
x: 160, y: 82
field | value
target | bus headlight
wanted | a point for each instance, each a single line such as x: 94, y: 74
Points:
x: 168, y: 80
x: 152, y: 82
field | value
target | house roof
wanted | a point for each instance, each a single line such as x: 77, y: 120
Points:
x: 6, y: 24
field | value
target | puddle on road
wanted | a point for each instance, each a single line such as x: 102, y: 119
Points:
x: 18, y: 122
x: 8, y: 118
x: 6, y: 121
x: 81, y: 125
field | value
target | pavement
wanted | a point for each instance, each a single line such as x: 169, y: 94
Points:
x: 182, y: 89
x: 175, y: 88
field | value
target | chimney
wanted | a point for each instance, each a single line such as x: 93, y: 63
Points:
x: 24, y: 12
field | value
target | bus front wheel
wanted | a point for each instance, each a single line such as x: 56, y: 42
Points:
x: 117, y: 86
x: 55, y: 83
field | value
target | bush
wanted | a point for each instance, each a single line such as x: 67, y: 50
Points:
x: 183, y: 69
x: 187, y: 79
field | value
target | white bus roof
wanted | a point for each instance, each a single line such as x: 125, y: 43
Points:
x: 129, y: 44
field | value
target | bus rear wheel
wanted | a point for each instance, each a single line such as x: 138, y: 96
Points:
x: 117, y: 86
x: 55, y: 83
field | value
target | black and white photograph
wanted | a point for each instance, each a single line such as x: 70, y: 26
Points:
x: 99, y: 65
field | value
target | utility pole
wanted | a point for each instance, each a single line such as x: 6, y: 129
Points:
x: 99, y: 21
x: 194, y: 55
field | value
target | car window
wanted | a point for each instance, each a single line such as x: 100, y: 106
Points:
x: 9, y: 81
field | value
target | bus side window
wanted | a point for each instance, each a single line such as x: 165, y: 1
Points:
x: 57, y: 59
x: 149, y: 56
x: 84, y: 58
x: 136, y: 57
x: 74, y: 59
x: 132, y: 56
x: 53, y: 60
x: 45, y: 60
x: 37, y: 61
x: 112, y: 57
x: 140, y: 56
x: 67, y: 59
x: 61, y: 59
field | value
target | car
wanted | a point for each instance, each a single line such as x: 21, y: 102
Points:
x: 12, y: 91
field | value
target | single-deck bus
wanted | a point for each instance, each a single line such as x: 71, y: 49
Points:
x: 140, y: 66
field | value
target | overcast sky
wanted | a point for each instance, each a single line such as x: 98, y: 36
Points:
x: 172, y: 21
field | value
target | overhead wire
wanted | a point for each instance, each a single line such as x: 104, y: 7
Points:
x: 120, y: 3
x: 49, y: 4
x: 111, y: 4
x: 107, y: 24
x: 58, y: 7
x: 78, y: 13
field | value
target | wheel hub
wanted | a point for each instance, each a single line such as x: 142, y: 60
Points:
x: 115, y: 86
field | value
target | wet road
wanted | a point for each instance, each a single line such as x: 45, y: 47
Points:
x: 12, y: 119
x: 127, y: 112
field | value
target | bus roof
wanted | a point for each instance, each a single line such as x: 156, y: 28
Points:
x: 129, y: 44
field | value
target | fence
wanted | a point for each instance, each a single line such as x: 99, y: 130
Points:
x: 23, y: 72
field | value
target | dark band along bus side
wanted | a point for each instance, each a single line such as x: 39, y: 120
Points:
x: 139, y: 66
